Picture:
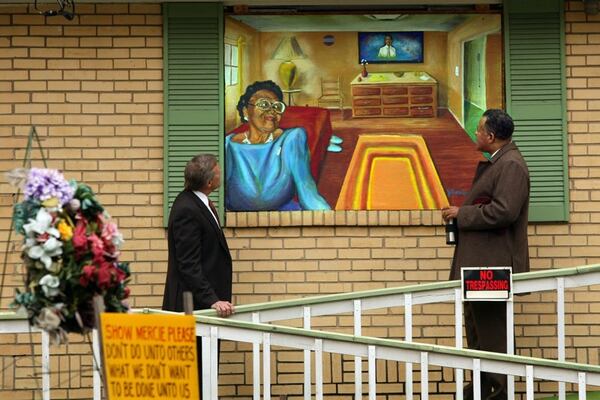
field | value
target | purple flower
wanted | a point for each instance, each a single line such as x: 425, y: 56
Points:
x: 43, y: 184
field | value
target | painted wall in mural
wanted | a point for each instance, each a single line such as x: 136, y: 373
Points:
x: 311, y: 125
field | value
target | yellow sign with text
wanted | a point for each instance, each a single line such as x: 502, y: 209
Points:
x: 149, y: 357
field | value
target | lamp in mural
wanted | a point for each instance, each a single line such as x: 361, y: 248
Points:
x: 288, y: 50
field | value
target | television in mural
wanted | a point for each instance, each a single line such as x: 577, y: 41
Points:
x: 307, y: 128
x: 390, y: 47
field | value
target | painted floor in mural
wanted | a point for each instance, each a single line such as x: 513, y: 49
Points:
x: 391, y: 172
x: 452, y: 151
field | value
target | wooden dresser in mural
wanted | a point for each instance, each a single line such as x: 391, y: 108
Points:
x: 394, y: 94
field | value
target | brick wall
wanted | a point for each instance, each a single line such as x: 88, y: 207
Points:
x: 93, y: 88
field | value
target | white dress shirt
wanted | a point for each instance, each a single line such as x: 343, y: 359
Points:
x: 204, y: 199
x: 387, y: 52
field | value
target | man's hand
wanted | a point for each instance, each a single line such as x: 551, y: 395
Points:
x: 449, y: 213
x: 223, y: 308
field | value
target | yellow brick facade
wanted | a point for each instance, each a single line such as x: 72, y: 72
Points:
x: 93, y: 89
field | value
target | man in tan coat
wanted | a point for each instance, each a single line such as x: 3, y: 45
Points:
x: 492, y: 231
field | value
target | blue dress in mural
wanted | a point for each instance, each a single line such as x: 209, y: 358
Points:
x: 269, y: 176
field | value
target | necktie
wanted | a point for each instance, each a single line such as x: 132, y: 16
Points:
x: 214, y: 211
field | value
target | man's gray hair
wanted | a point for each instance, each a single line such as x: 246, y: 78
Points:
x: 199, y: 171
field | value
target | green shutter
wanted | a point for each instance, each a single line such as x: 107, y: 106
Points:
x: 193, y: 91
x: 536, y: 99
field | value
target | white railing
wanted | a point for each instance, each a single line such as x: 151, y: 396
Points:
x: 407, y: 296
x: 251, y: 318
x: 213, y: 329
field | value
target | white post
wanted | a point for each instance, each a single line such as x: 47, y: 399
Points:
x: 255, y: 362
x: 408, y: 338
x: 214, y: 363
x: 476, y: 379
x: 206, y: 366
x: 458, y: 322
x: 529, y: 381
x: 357, y: 359
x: 581, y: 386
x: 96, y: 361
x: 510, y: 345
x: 560, y: 321
x: 319, y: 369
x: 267, y: 366
x: 307, y: 371
x: 45, y: 365
x: 424, y: 376
x: 372, y: 373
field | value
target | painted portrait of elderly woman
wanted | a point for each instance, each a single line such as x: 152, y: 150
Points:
x: 267, y: 167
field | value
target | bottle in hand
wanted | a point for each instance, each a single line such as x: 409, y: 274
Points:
x: 451, y: 231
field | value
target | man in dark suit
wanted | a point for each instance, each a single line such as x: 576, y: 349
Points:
x: 199, y: 259
x: 492, y: 231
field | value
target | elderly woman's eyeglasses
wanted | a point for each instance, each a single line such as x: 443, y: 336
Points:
x: 266, y: 105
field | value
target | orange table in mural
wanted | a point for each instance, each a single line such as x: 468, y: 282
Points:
x: 391, y: 172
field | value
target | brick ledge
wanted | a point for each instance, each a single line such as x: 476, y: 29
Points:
x: 332, y: 218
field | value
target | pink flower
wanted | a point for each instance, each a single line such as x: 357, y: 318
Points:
x: 111, y: 235
x: 97, y: 248
x: 43, y: 237
x: 87, y: 275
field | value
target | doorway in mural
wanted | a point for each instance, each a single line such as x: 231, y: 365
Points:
x: 474, y: 83
x: 395, y: 139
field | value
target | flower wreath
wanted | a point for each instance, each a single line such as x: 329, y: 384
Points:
x: 70, y: 253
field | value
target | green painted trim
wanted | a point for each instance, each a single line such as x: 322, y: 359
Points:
x: 399, y: 344
x: 307, y: 301
x: 165, y: 11
x: 563, y: 67
x: 541, y: 211
x: 175, y: 114
x: 221, y: 133
x: 12, y: 316
x: 575, y: 396
x: 528, y: 5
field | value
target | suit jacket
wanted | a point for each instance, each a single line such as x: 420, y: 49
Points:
x: 492, y: 222
x: 199, y: 259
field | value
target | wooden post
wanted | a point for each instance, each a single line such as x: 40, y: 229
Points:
x: 99, y: 308
x: 188, y: 303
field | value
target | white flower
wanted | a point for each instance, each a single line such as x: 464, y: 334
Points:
x: 52, y: 247
x: 117, y: 240
x: 45, y: 251
x: 48, y: 249
x: 50, y: 284
x: 48, y: 319
x: 40, y: 224
x: 35, y: 252
x: 17, y: 177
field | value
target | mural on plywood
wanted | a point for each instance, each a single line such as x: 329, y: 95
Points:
x: 310, y: 128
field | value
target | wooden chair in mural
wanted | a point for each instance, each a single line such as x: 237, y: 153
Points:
x: 331, y: 92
